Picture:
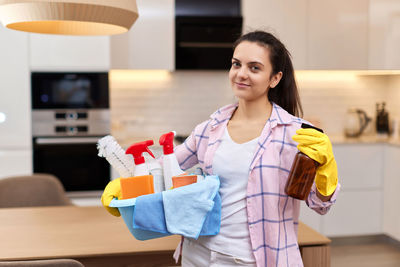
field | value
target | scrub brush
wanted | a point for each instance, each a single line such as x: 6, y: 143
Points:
x: 115, y: 155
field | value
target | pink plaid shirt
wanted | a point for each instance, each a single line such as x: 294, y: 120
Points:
x: 272, y: 214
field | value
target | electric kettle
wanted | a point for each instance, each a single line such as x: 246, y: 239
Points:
x: 356, y: 122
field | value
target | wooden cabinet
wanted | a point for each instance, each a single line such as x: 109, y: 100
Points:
x: 15, y: 130
x: 69, y: 53
x: 384, y: 34
x: 150, y: 43
x: 286, y: 19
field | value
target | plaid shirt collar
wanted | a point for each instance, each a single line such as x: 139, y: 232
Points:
x: 278, y: 115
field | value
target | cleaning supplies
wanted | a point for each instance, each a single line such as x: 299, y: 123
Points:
x: 115, y: 155
x: 186, y: 208
x: 142, y: 183
x: 173, y: 213
x: 122, y: 163
x: 156, y: 170
x: 317, y: 146
x: 170, y: 163
x: 302, y: 173
x: 182, y: 180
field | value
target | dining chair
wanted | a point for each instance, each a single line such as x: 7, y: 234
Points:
x: 42, y: 263
x: 32, y: 191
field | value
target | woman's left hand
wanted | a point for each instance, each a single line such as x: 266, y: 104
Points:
x: 317, y: 146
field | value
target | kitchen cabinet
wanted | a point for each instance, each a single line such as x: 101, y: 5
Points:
x: 330, y: 34
x: 391, y: 210
x: 69, y: 53
x: 337, y: 34
x: 358, y: 208
x: 150, y: 43
x: 356, y: 212
x: 384, y: 34
x: 15, y: 128
x: 15, y: 162
x: 286, y: 19
x: 360, y: 166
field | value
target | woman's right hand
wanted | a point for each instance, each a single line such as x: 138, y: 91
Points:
x: 112, y: 190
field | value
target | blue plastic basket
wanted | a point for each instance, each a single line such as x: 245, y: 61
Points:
x: 127, y: 207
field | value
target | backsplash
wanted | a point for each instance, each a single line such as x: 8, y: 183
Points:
x: 146, y: 104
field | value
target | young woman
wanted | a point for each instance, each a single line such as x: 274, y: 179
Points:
x: 249, y: 146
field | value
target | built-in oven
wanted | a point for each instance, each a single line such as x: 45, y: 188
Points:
x: 73, y: 160
x: 70, y: 112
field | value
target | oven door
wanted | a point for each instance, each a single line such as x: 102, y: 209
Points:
x: 73, y: 160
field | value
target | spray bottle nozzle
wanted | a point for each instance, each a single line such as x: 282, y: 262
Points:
x: 137, y: 149
x: 167, y: 141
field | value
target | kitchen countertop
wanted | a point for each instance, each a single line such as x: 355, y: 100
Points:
x: 365, y: 139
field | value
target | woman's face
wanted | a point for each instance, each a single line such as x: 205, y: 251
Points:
x: 250, y: 73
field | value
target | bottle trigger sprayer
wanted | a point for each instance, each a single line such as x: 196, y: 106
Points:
x: 136, y: 150
x: 142, y: 183
x: 170, y: 163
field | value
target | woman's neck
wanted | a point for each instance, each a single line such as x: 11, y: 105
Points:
x: 253, y: 111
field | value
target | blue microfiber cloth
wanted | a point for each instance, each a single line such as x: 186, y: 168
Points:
x: 127, y: 208
x: 212, y: 222
x: 149, y: 213
x: 186, y: 207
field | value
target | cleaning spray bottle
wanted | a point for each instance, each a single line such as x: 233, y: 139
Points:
x: 174, y: 176
x: 170, y: 163
x: 302, y: 173
x: 142, y: 183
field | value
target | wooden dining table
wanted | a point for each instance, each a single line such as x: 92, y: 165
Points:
x: 95, y: 238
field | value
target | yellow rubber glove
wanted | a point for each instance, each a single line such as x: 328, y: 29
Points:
x: 112, y: 190
x: 317, y: 146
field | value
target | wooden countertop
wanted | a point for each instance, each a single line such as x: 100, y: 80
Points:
x: 71, y: 232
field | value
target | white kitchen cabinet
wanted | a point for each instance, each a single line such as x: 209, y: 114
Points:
x: 15, y: 162
x: 69, y: 53
x: 384, y: 34
x: 286, y: 19
x: 310, y: 217
x: 354, y: 213
x: 15, y: 128
x: 337, y: 34
x: 391, y: 196
x: 358, y: 208
x: 360, y: 166
x: 150, y: 43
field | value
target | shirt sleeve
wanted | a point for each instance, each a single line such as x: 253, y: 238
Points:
x: 317, y: 204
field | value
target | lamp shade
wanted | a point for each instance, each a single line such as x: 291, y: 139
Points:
x: 69, y: 17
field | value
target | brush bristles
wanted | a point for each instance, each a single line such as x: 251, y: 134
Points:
x: 115, y: 155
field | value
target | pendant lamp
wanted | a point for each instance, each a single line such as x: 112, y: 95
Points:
x: 69, y: 17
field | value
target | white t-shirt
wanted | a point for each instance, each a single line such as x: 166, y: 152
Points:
x: 231, y: 163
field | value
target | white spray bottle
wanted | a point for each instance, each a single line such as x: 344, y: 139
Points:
x: 136, y: 150
x: 170, y: 163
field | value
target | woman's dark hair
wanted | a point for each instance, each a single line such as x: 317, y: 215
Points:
x: 285, y: 93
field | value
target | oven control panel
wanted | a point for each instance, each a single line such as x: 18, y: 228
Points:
x: 70, y: 122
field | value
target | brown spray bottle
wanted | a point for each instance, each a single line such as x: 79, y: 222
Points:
x: 302, y: 173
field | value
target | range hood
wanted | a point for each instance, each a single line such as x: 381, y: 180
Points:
x: 204, y: 33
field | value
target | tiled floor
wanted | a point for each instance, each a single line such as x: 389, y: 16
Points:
x: 379, y: 254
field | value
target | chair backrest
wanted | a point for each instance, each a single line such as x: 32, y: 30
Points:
x: 42, y: 263
x: 32, y: 191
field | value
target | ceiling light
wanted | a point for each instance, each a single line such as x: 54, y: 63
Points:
x: 69, y: 17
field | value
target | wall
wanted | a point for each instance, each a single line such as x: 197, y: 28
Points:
x: 147, y: 104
